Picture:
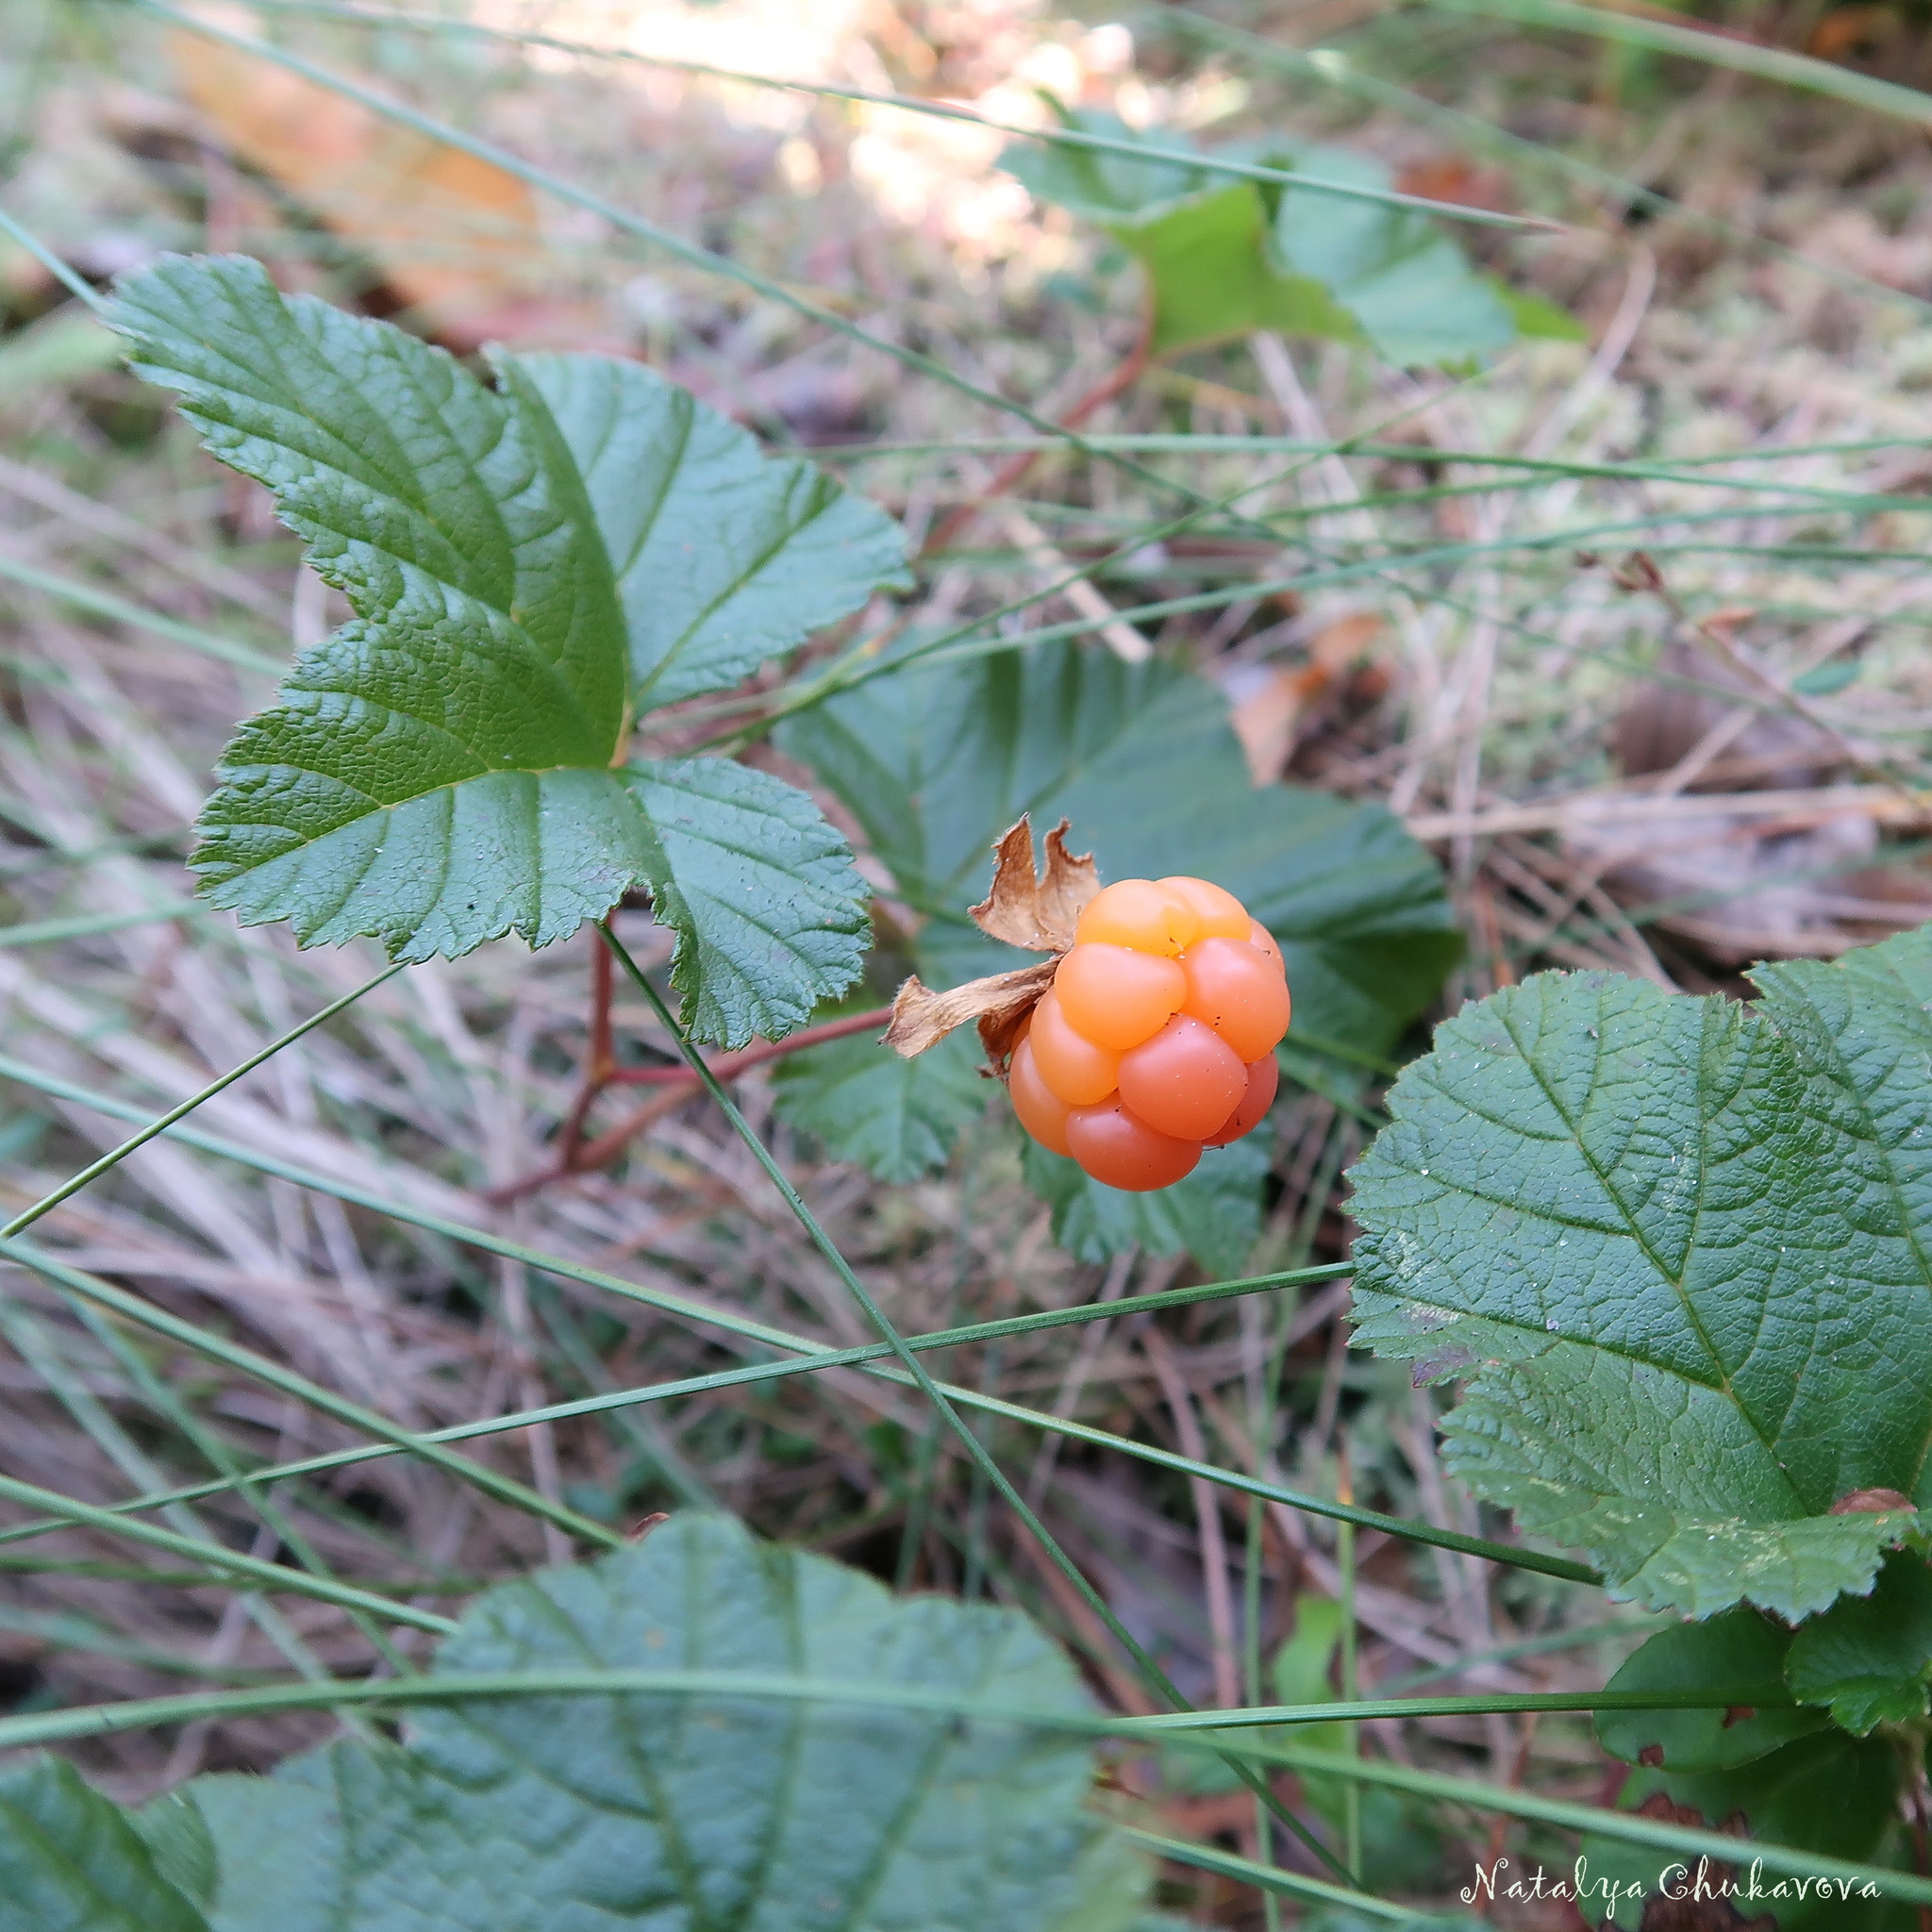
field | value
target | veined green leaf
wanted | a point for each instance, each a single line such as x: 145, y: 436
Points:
x: 70, y: 1862
x: 1409, y: 286
x: 729, y: 1814
x: 724, y: 556
x: 1870, y: 1658
x: 1737, y: 1646
x: 1825, y: 1792
x: 768, y: 907
x: 898, y: 1118
x: 527, y: 565
x: 936, y: 761
x: 1682, y: 1250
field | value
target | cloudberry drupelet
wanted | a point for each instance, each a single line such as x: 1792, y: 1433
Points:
x: 1158, y: 1037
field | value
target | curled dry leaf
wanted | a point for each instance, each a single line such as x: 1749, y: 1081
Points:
x: 1037, y: 913
x: 1872, y: 1503
x: 922, y: 1018
x: 1032, y: 910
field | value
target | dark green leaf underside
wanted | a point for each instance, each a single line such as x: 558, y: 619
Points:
x: 1737, y: 1648
x: 935, y: 763
x: 1868, y: 1658
x: 1825, y: 1792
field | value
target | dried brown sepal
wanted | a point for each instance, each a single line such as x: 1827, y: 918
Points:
x: 1000, y: 1003
x: 1034, y: 911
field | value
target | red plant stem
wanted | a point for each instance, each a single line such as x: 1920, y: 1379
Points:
x: 677, y: 1084
x: 756, y: 1055
x: 600, y: 1061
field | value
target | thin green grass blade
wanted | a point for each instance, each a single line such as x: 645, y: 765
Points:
x: 115, y: 1156
x: 35, y: 1348
x: 1196, y: 1730
x: 50, y: 262
x: 231, y: 1355
x: 977, y: 1451
x: 273, y: 1575
x: 46, y: 932
x: 619, y: 1399
x: 1328, y: 67
x: 1270, y: 1879
x: 1715, y: 49
x: 104, y: 603
x: 628, y: 222
x: 744, y: 1329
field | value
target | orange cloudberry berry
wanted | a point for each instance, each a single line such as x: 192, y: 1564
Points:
x: 1158, y: 1037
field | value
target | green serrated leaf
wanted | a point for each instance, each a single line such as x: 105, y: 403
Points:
x: 177, y: 1839
x: 564, y: 1815
x: 70, y: 1862
x: 1827, y: 1792
x: 1214, y: 1214
x: 935, y: 762
x: 1869, y: 1657
x: 1680, y: 1248
x: 1225, y: 258
x: 724, y: 558
x: 1106, y: 186
x: 1737, y: 1647
x: 441, y: 770
x: 896, y: 1118
x: 1407, y: 285
x: 769, y: 910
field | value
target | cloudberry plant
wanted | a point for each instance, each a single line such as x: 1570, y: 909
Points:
x: 1157, y: 1035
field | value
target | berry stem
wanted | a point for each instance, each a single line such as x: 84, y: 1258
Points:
x: 677, y: 1084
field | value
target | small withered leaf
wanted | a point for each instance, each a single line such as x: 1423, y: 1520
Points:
x: 1871, y: 1502
x: 922, y: 1018
x: 1037, y: 913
